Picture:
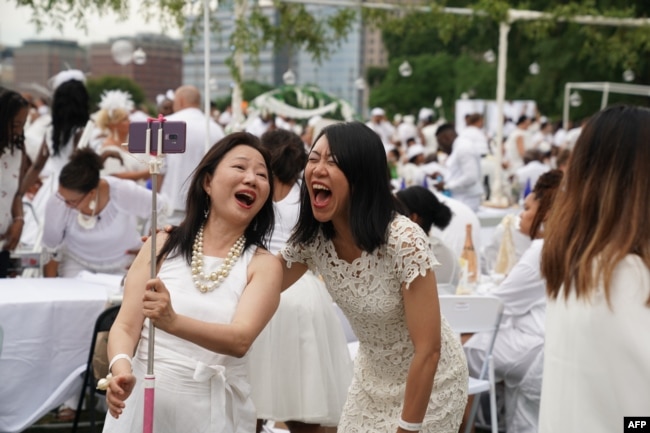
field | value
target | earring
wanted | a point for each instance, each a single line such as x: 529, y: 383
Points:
x: 206, y: 211
x: 92, y: 205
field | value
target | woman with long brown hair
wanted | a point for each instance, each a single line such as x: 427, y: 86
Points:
x: 596, y: 261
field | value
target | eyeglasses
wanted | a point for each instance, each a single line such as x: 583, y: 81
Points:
x: 72, y: 203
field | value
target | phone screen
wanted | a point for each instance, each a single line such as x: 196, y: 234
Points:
x: 173, y: 140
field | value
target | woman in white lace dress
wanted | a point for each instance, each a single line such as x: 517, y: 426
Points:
x: 410, y: 372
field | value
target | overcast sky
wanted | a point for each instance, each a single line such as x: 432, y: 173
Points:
x: 15, y: 27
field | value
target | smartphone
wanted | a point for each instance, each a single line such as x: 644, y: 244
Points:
x: 173, y: 139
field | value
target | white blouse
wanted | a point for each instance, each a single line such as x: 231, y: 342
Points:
x: 104, y: 246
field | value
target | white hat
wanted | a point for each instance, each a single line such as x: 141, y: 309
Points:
x: 414, y: 150
x: 425, y: 113
x: 67, y: 75
x: 377, y: 112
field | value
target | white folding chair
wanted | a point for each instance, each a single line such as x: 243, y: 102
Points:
x: 471, y: 314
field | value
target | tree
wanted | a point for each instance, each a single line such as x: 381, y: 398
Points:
x: 96, y: 86
x: 564, y: 51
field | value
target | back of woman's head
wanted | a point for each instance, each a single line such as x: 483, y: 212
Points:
x: 107, y: 118
x: 10, y: 105
x: 69, y: 112
x: 288, y: 156
x: 259, y: 229
x: 360, y: 155
x: 602, y: 212
x: 81, y: 173
x: 421, y: 201
x: 544, y: 191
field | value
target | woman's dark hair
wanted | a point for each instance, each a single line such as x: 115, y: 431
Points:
x: 81, y: 173
x: 418, y: 199
x: 288, y: 156
x: 544, y: 192
x: 10, y: 104
x: 258, y: 232
x: 601, y: 213
x: 360, y: 155
x: 70, y: 106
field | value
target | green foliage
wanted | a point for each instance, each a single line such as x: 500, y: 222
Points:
x: 96, y: 87
x: 56, y: 13
x: 297, y: 28
x: 250, y: 91
x: 434, y: 75
x: 566, y: 52
x: 253, y: 89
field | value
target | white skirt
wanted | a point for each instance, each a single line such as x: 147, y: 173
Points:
x: 300, y: 367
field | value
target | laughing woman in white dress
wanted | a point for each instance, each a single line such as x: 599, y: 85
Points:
x: 410, y: 372
x: 596, y: 261
x: 215, y: 290
x: 300, y: 365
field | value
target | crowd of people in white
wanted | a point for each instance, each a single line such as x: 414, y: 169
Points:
x: 70, y: 187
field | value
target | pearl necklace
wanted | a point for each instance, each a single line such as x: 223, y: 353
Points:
x: 207, y: 283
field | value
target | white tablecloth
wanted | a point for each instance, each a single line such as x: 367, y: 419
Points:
x: 47, y: 325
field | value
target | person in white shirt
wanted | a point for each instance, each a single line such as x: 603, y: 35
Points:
x: 265, y: 121
x: 381, y: 126
x: 92, y: 221
x: 518, y: 141
x: 596, y: 263
x: 520, y: 340
x: 179, y: 167
x: 428, y: 130
x: 412, y: 172
x: 527, y: 175
x: 475, y: 134
x: 463, y: 178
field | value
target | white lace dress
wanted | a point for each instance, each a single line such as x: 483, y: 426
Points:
x: 368, y: 290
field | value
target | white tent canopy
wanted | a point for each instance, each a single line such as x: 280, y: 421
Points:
x: 606, y: 88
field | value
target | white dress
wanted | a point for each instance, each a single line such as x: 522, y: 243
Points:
x: 368, y: 290
x: 300, y: 366
x: 597, y: 355
x: 9, y: 183
x: 196, y: 390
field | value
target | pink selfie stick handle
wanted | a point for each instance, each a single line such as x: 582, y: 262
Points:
x: 149, y: 383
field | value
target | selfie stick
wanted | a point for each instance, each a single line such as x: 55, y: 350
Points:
x: 155, y: 161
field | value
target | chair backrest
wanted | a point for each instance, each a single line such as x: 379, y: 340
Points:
x: 105, y: 319
x: 471, y: 313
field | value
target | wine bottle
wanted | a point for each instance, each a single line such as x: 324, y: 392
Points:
x: 469, y: 254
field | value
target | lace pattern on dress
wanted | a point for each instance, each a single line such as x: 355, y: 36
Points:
x: 368, y: 290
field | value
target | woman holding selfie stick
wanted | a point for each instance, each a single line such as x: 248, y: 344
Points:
x: 216, y: 289
x: 410, y: 373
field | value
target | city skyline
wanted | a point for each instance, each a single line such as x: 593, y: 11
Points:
x: 16, y: 27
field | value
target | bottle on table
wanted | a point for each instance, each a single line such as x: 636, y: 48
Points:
x: 469, y: 264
